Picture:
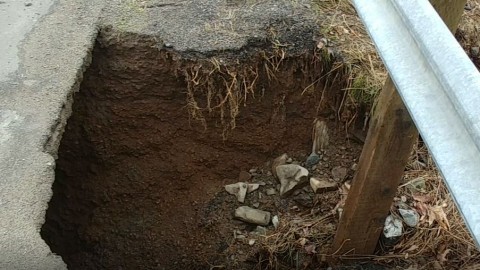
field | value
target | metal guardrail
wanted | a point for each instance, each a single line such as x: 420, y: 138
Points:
x: 440, y: 87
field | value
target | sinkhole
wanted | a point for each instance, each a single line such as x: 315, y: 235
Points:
x: 155, y: 134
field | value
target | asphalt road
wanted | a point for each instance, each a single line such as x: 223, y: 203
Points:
x: 17, y: 18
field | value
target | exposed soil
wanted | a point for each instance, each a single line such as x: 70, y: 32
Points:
x: 139, y: 183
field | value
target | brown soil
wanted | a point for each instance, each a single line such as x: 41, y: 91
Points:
x: 139, y: 184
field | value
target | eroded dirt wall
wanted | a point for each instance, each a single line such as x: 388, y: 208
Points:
x: 138, y: 180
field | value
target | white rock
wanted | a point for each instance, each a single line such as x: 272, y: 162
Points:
x: 241, y: 189
x: 291, y: 176
x: 281, y: 160
x: 238, y: 234
x: 410, y: 217
x: 238, y: 189
x: 251, y: 215
x: 252, y: 187
x: 393, y: 227
x: 322, y: 185
x: 251, y: 242
x: 275, y: 221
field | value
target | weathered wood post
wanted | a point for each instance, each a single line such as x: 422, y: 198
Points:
x: 389, y: 143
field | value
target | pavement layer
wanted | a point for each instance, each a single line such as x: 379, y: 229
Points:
x: 17, y: 18
x: 45, y: 48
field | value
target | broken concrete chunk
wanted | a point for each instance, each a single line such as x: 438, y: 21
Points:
x: 253, y: 216
x: 339, y: 173
x: 410, y: 217
x: 393, y: 227
x: 281, y: 160
x: 238, y: 189
x: 322, y: 185
x: 241, y: 189
x: 291, y: 176
x: 252, y: 187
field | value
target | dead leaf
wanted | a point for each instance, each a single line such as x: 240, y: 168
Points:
x: 310, y: 249
x: 437, y: 265
x: 412, y: 248
x: 442, y: 253
x: 422, y: 198
x: 431, y: 216
x: 440, y: 216
x: 422, y: 209
x: 303, y: 241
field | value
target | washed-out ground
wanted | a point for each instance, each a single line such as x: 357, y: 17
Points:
x: 150, y: 146
x: 139, y: 181
x: 137, y: 176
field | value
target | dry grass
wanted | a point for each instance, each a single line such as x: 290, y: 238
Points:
x: 296, y: 239
x: 343, y: 30
x: 469, y: 29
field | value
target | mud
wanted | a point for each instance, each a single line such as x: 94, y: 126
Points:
x: 139, y: 182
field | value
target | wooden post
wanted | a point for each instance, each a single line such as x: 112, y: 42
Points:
x: 386, y: 151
